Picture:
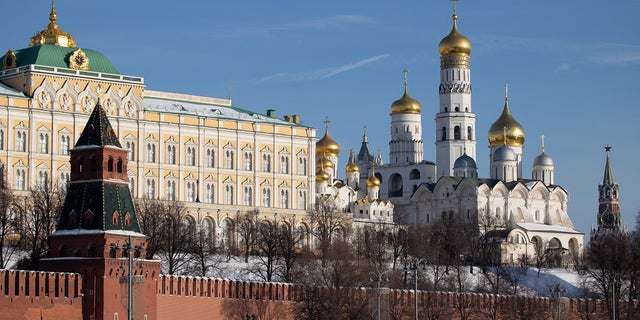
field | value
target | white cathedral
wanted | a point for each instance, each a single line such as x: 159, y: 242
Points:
x: 525, y: 216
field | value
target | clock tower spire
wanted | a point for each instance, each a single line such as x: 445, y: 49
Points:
x: 609, y: 203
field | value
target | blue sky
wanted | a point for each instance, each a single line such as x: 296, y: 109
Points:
x: 571, y: 65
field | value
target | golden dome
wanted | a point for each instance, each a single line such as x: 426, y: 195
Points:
x: 322, y: 176
x: 327, y: 145
x: 53, y: 34
x: 373, y: 181
x: 324, y: 163
x: 352, y: 167
x: 507, y: 126
x: 406, y: 104
x: 455, y: 43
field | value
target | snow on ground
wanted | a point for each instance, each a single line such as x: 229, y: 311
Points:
x: 536, y: 283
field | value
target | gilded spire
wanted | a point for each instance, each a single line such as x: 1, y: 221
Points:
x: 373, y: 181
x: 326, y: 144
x: 53, y: 34
x: 608, y: 172
x: 515, y: 132
x: 455, y: 43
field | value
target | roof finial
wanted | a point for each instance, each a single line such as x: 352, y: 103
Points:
x: 542, y: 137
x: 607, y: 148
x: 326, y: 123
x: 406, y: 79
x: 229, y: 88
x: 506, y: 91
x: 454, y: 7
x: 364, y: 134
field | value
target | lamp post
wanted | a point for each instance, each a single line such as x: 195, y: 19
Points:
x: 378, y: 277
x: 556, y: 290
x: 614, y: 282
x: 415, y: 264
x: 130, y: 250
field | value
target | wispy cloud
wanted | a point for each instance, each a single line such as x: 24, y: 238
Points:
x: 320, y: 73
x: 563, y: 68
x: 629, y: 56
x: 268, y: 32
x: 596, y: 53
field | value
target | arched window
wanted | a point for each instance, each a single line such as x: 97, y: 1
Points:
x: 456, y: 133
x: 469, y: 133
x: 119, y: 165
x: 444, y: 134
x: 110, y: 164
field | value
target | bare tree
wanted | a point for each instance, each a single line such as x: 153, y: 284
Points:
x: 609, y: 265
x: 246, y: 227
x: 150, y: 219
x: 9, y: 234
x: 333, y: 290
x: 203, y: 250
x: 328, y: 223
x: 289, y: 251
x: 175, y: 236
x: 267, y: 244
x: 39, y: 211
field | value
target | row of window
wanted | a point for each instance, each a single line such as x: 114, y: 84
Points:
x: 228, y: 196
x: 170, y: 156
x: 21, y: 138
x: 457, y: 133
x: 229, y: 160
x: 20, y: 180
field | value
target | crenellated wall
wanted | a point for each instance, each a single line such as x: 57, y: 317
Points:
x: 50, y: 295
x: 209, y: 298
x: 40, y: 295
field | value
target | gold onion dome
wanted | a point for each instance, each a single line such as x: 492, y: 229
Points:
x: 406, y: 104
x: 506, y: 127
x: 455, y: 43
x: 322, y: 176
x: 352, y: 167
x: 373, y: 181
x: 326, y: 145
x: 53, y: 34
x: 324, y: 162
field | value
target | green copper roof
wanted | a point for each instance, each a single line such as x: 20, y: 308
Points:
x: 92, y: 206
x: 56, y: 56
x: 98, y: 131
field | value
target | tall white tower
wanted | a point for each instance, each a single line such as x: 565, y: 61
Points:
x: 405, y: 146
x: 455, y: 122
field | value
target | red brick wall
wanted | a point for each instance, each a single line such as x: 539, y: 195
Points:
x: 49, y: 295
x: 208, y: 298
x: 27, y: 295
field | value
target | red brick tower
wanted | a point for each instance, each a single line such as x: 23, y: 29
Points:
x: 98, y: 234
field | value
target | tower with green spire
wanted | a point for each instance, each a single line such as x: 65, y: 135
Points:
x: 98, y: 234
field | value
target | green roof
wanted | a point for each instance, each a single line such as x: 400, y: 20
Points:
x: 98, y: 130
x: 57, y: 56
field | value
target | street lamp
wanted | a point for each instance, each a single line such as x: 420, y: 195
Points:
x: 415, y: 264
x: 130, y: 250
x: 378, y: 277
x: 555, y: 290
x: 615, y: 282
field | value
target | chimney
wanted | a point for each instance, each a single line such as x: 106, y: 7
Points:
x: 271, y: 113
x: 296, y: 118
x: 287, y: 118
